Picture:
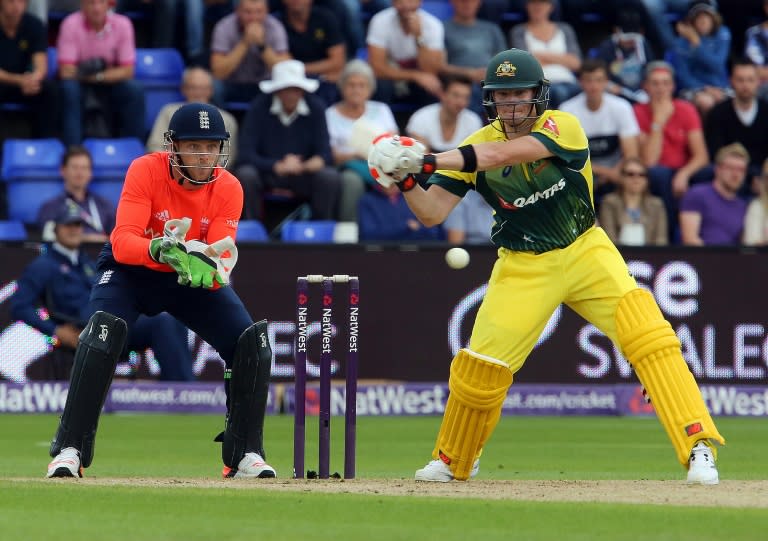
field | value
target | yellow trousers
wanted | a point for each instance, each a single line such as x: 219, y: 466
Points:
x: 525, y: 288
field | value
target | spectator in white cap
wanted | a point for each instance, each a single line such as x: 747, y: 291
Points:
x: 284, y: 145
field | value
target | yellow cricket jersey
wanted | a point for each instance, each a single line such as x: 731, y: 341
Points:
x: 538, y: 206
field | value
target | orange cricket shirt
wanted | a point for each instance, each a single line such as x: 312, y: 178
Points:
x: 151, y: 197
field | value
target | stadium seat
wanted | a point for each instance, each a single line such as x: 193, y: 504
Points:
x: 155, y: 99
x: 111, y: 157
x: 441, y: 9
x: 53, y: 67
x: 12, y: 106
x: 159, y: 68
x: 252, y: 231
x: 25, y: 159
x: 309, y: 231
x: 160, y: 72
x: 25, y: 197
x: 236, y: 106
x: 513, y: 17
x: 12, y: 230
x: 110, y: 189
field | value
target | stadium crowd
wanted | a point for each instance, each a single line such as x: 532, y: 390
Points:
x: 671, y: 95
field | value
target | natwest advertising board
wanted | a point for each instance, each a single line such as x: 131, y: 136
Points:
x: 415, y: 313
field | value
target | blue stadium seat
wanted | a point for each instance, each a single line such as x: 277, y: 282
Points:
x: 160, y: 71
x: 309, y: 231
x: 53, y: 59
x: 25, y: 159
x: 12, y: 230
x: 237, y: 106
x: 513, y: 17
x: 441, y: 9
x: 251, y: 230
x: 111, y: 157
x: 25, y: 197
x: 12, y: 106
x: 110, y: 189
x: 161, y: 68
x: 155, y: 99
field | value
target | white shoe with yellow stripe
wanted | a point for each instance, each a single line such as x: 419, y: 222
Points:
x: 438, y: 471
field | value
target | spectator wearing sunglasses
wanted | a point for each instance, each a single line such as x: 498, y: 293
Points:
x: 631, y: 216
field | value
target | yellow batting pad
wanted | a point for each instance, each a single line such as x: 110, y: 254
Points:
x: 478, y: 386
x: 653, y: 349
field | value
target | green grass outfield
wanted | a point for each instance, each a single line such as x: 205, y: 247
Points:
x: 168, y: 448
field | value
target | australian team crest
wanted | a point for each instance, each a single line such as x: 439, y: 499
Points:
x: 506, y: 69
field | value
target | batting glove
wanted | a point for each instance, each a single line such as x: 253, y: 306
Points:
x: 392, y: 159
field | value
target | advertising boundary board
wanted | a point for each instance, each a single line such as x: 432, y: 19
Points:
x: 380, y: 399
x: 416, y: 312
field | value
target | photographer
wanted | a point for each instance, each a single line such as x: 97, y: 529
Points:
x: 97, y: 54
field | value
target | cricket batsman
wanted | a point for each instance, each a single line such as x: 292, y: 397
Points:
x: 532, y: 166
x: 172, y: 250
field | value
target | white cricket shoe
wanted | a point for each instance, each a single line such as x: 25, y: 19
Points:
x: 251, y: 465
x: 438, y: 471
x: 701, y: 465
x: 66, y: 464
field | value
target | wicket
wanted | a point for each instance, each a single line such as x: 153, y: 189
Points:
x: 300, y: 359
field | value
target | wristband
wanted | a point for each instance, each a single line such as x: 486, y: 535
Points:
x: 429, y: 165
x: 407, y: 184
x: 470, y: 158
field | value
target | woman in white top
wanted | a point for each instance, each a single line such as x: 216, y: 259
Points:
x: 756, y: 219
x: 554, y: 45
x: 353, y: 122
x: 443, y: 126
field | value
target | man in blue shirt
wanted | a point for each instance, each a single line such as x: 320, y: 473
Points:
x: 60, y: 280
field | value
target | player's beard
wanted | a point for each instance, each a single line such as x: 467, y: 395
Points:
x: 187, y: 172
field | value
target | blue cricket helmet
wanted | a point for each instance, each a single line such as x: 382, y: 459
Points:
x: 193, y: 122
x: 197, y: 121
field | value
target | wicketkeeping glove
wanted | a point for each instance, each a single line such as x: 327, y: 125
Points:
x: 170, y: 248
x: 211, y: 265
x: 392, y: 158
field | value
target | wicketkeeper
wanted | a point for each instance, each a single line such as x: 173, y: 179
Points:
x: 172, y: 250
x: 532, y: 166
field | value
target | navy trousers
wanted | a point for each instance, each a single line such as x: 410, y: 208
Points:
x: 217, y: 316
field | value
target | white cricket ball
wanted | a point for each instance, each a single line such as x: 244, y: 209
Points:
x: 457, y: 258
